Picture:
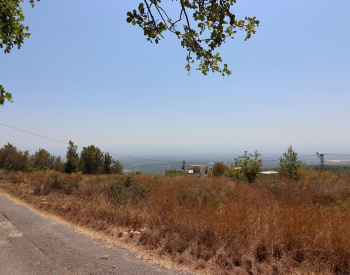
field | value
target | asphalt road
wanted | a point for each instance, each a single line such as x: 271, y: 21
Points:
x: 33, y: 244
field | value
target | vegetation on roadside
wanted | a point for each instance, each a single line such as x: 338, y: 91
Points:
x: 275, y: 225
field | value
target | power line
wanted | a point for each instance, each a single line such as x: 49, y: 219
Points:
x: 146, y: 159
x: 34, y: 134
x: 60, y: 141
x: 162, y: 161
x: 340, y: 155
x: 307, y: 156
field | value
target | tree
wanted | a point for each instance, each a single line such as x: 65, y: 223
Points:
x: 247, y: 167
x: 117, y: 167
x: 42, y: 160
x: 91, y: 160
x: 4, y: 95
x: 107, y: 162
x: 13, y: 159
x: 58, y: 165
x: 289, y: 164
x: 207, y: 25
x: 110, y: 165
x: 71, y: 165
x: 12, y: 32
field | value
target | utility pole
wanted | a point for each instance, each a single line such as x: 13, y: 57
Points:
x: 321, y: 157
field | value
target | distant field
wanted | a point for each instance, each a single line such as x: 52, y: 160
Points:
x: 219, y: 225
x: 158, y: 164
x: 334, y: 169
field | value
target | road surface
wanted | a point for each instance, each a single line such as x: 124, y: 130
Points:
x: 33, y: 244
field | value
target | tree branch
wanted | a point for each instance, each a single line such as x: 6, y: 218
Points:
x: 154, y: 21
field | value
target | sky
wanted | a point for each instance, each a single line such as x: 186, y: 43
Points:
x: 88, y: 76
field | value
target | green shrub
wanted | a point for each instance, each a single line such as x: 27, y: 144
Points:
x: 289, y: 164
x: 123, y: 191
x: 128, y: 179
x: 247, y: 167
x: 174, y: 172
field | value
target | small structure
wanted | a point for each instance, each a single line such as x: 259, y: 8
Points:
x: 199, y: 170
x: 268, y: 172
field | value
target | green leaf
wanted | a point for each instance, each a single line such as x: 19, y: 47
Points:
x: 201, y: 39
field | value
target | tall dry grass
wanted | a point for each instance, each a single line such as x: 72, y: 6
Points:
x: 275, y: 226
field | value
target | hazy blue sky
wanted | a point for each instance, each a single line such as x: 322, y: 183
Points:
x: 88, y: 76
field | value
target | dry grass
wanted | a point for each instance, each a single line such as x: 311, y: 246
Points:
x: 275, y: 226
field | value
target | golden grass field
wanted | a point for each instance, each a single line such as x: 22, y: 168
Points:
x: 211, y: 224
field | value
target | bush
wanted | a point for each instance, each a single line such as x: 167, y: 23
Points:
x: 51, y: 181
x: 289, y: 164
x: 219, y: 169
x: 247, y: 167
x: 174, y: 172
x: 124, y: 190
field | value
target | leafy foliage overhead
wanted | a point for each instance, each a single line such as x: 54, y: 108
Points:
x: 12, y: 32
x: 201, y: 25
x: 4, y: 95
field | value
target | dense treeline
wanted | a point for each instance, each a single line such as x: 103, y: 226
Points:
x: 91, y: 160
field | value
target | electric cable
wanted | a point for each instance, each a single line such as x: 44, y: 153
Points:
x: 60, y: 141
x: 147, y: 159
